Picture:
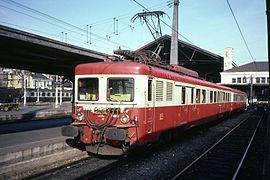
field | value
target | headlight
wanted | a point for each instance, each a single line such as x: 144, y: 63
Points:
x: 124, y: 119
x: 80, y: 116
x: 115, y: 116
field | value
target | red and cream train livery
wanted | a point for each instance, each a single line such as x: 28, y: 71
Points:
x: 119, y: 105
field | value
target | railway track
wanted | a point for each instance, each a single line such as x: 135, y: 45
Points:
x: 148, y: 164
x: 224, y: 160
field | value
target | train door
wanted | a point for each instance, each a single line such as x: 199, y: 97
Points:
x: 150, y: 106
x: 189, y: 102
x: 185, y: 101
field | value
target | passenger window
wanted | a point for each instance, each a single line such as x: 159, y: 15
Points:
x: 215, y: 96
x: 192, y: 95
x: 198, y: 95
x: 183, y: 95
x: 203, y: 96
x: 211, y: 96
x: 149, y: 89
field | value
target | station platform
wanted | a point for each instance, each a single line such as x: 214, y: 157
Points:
x: 36, y: 111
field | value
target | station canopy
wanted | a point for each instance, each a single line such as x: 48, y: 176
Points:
x: 207, y: 64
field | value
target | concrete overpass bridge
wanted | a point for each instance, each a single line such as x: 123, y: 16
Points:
x: 23, y: 50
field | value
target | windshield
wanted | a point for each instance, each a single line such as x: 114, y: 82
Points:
x: 120, y: 89
x: 88, y: 89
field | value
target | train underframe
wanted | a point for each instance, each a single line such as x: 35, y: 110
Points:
x: 103, y: 141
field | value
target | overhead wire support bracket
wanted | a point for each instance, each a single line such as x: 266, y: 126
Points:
x: 154, y: 27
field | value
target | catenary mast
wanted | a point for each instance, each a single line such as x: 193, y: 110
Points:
x: 174, y: 38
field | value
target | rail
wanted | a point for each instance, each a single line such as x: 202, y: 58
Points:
x: 210, y: 154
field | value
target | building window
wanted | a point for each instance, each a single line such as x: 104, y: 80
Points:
x: 268, y: 80
x: 238, y: 80
x: 257, y: 80
x: 263, y: 80
x: 233, y: 80
x: 244, y: 80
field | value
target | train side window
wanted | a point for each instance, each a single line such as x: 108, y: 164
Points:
x: 203, y: 96
x: 183, y: 95
x: 215, y: 96
x: 211, y: 96
x: 198, y: 95
x: 150, y: 89
x: 207, y: 96
x: 192, y: 95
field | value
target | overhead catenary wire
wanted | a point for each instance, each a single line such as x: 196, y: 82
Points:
x: 70, y: 25
x: 34, y: 30
x: 56, y: 25
x: 60, y: 35
x: 238, y: 26
x: 164, y: 22
x: 61, y: 21
x: 76, y: 30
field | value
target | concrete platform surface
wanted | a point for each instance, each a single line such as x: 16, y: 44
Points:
x: 36, y: 111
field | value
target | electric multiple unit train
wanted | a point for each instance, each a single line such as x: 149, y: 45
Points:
x: 121, y: 105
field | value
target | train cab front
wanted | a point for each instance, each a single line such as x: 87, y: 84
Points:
x: 104, y: 127
x: 103, y: 131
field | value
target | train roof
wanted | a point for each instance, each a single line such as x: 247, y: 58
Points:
x: 126, y: 67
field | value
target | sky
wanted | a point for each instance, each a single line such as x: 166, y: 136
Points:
x: 207, y: 24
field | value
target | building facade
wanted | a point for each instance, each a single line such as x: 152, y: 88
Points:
x: 252, y: 78
x: 37, y: 86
